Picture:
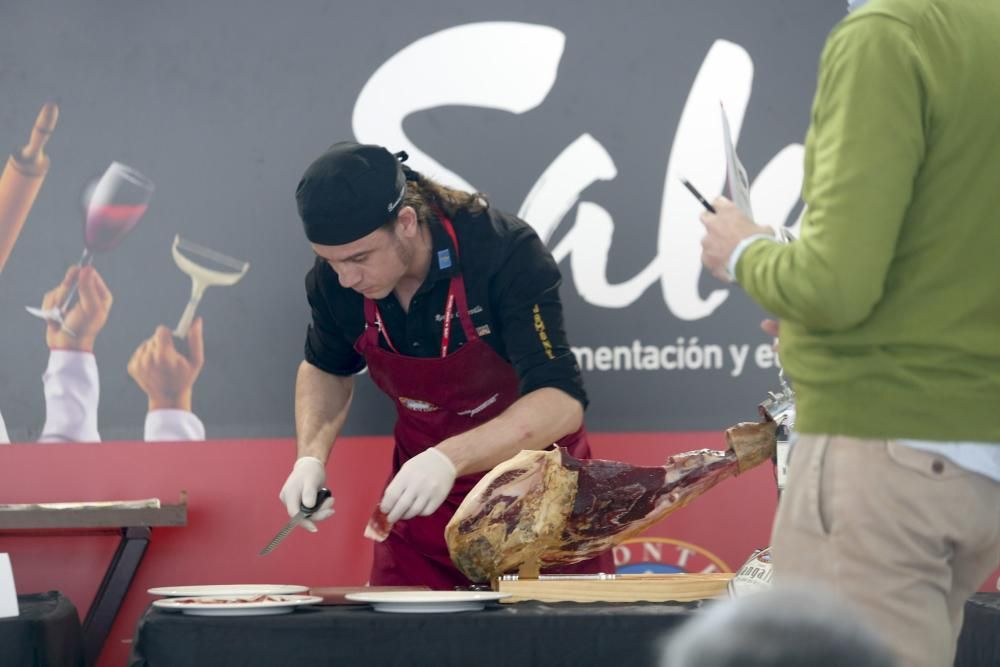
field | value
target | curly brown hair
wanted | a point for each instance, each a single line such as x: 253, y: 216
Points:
x: 426, y: 196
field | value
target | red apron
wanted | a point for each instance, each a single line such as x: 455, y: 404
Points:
x: 436, y: 398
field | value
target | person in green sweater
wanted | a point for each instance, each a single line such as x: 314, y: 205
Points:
x: 889, y: 308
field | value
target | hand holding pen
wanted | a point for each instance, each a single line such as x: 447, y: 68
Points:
x: 726, y: 226
x: 697, y: 195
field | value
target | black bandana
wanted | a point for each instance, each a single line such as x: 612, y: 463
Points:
x: 349, y: 192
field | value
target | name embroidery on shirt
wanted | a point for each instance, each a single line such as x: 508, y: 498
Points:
x: 475, y: 310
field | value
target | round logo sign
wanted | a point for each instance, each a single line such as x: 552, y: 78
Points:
x: 661, y: 555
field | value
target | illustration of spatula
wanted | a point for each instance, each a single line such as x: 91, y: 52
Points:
x: 205, y: 267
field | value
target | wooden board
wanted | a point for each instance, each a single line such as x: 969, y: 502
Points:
x: 623, y: 588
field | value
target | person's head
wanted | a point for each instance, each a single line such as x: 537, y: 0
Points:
x: 782, y: 627
x: 366, y: 214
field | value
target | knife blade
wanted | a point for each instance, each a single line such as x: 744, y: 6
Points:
x: 300, y: 516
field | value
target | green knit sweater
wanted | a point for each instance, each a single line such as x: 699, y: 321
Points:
x: 890, y: 299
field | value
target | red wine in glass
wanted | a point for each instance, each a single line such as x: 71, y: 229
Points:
x: 118, y: 201
x: 107, y: 225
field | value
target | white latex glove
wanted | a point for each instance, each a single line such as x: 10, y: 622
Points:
x: 420, y: 486
x: 301, y: 487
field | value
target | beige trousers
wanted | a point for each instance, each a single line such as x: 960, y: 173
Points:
x: 905, y: 535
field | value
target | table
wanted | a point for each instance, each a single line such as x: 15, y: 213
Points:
x: 46, y: 634
x: 131, y: 524
x: 526, y: 633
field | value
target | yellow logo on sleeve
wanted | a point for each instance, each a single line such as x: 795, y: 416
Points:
x: 543, y: 335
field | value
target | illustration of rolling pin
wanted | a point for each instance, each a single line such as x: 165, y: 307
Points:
x: 21, y: 180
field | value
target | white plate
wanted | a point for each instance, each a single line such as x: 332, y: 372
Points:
x: 236, y: 605
x: 228, y: 589
x: 427, y: 602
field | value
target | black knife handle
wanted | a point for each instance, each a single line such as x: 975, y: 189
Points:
x: 321, y: 497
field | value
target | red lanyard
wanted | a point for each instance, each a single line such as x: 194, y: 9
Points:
x: 449, y: 311
x: 449, y: 303
x: 446, y: 333
x: 382, y: 330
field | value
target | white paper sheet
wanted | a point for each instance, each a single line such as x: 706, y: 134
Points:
x: 8, y: 594
x: 153, y: 503
x: 737, y: 183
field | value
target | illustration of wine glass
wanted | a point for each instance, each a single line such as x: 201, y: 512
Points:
x: 118, y: 201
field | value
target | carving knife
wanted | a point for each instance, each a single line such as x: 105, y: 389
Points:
x: 300, y: 516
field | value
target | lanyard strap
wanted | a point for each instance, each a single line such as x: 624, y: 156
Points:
x: 446, y: 333
x: 382, y: 330
x: 449, y: 311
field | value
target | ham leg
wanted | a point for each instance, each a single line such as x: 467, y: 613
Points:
x: 545, y: 508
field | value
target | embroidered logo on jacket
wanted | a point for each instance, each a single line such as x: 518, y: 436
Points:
x: 482, y: 406
x: 417, y: 405
x: 444, y: 259
x: 543, y: 335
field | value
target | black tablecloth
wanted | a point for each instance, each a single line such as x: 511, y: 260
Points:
x: 46, y: 634
x: 979, y: 645
x: 526, y: 633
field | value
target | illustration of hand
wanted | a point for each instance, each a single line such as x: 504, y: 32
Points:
x: 87, y: 316
x: 165, y: 374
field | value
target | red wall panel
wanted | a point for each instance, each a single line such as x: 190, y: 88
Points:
x: 233, y: 511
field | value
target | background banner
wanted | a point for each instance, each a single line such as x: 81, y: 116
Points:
x: 580, y: 116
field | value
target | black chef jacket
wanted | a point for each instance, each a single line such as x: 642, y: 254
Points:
x: 512, y: 286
